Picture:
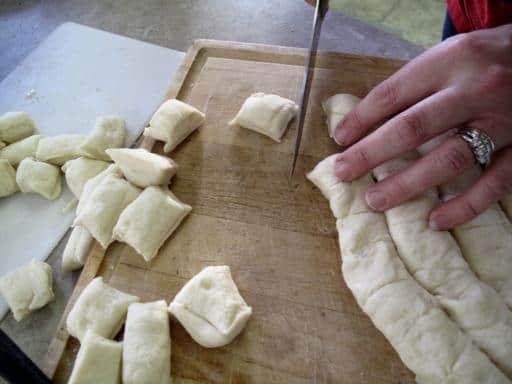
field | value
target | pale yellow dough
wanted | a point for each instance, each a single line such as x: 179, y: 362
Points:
x: 77, y: 248
x: 108, y: 132
x: 20, y: 150
x: 336, y: 108
x: 79, y: 171
x: 15, y: 126
x: 59, y: 149
x: 39, y: 177
x: 8, y: 184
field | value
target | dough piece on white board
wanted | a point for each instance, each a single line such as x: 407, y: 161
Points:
x: 15, y: 126
x: 59, y: 149
x: 108, y: 132
x: 98, y: 361
x: 77, y: 249
x: 147, y: 344
x: 104, y: 206
x: 267, y: 114
x: 427, y: 340
x: 336, y: 108
x: 143, y: 168
x: 20, y: 150
x: 8, y: 184
x: 173, y: 122
x: 435, y: 260
x: 149, y: 220
x: 210, y: 307
x: 2, y: 145
x: 506, y: 203
x: 99, y: 308
x: 27, y: 288
x: 80, y: 170
x: 39, y: 177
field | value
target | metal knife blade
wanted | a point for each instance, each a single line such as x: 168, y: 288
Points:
x: 320, y: 10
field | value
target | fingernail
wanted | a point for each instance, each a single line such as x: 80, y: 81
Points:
x: 341, y: 169
x: 439, y: 222
x: 376, y: 200
x: 340, y: 136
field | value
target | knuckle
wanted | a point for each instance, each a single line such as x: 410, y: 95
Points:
x: 455, y: 160
x: 411, y: 129
x: 494, y: 78
x: 466, y: 43
x: 468, y: 206
x: 499, y: 185
x: 362, y: 158
x: 386, y: 95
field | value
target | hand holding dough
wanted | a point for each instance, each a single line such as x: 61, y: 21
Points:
x: 79, y: 171
x: 59, y: 149
x: 266, y: 114
x: 39, y: 177
x: 8, y: 184
x: 108, y: 132
x: 20, y: 150
x: 336, y: 107
x: 15, y: 126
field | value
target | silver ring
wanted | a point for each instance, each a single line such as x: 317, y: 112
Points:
x: 480, y: 144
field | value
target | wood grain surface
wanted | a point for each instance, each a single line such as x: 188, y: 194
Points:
x: 279, y: 239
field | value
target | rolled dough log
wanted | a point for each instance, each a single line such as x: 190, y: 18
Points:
x: 108, y: 132
x: 77, y: 249
x: 59, y: 149
x: 15, y: 126
x: 336, y: 107
x: 8, y: 184
x: 427, y: 340
x: 39, y: 177
x: 20, y: 150
x: 79, y: 171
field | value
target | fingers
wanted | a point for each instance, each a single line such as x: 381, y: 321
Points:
x: 404, y: 132
x: 442, y: 164
x: 494, y: 184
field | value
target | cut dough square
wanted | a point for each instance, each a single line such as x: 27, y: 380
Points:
x: 79, y: 171
x: 173, y: 122
x: 99, y: 308
x: 336, y: 108
x: 147, y: 222
x: 147, y: 344
x: 266, y: 114
x: 59, y: 149
x: 103, y: 207
x: 39, y: 177
x: 108, y: 132
x: 77, y: 248
x: 98, y: 361
x: 27, y: 288
x: 143, y: 168
x: 210, y: 307
x: 8, y: 184
x: 15, y: 126
x: 20, y: 150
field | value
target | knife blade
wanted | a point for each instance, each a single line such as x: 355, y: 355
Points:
x: 320, y: 11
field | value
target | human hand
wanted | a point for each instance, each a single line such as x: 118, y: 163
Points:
x: 466, y: 81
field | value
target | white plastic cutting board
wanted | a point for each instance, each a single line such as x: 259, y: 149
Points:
x: 75, y: 75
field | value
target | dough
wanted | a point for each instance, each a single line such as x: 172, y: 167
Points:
x: 173, y: 122
x: 98, y: 361
x: 59, y: 149
x: 103, y: 207
x: 8, y: 184
x: 79, y: 171
x: 266, y: 114
x: 147, y: 344
x: 20, y: 150
x: 39, y: 177
x: 27, y: 288
x: 336, y: 107
x: 149, y: 220
x: 506, y: 203
x: 2, y: 145
x: 77, y: 249
x: 99, y: 308
x: 435, y: 260
x: 143, y: 168
x: 210, y: 307
x: 15, y: 126
x: 427, y: 340
x: 108, y: 132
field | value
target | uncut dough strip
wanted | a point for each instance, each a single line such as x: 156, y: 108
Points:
x: 436, y: 262
x: 428, y: 342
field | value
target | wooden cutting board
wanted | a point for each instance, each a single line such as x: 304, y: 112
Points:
x: 279, y: 240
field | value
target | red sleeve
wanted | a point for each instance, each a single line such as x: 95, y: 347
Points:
x: 470, y: 15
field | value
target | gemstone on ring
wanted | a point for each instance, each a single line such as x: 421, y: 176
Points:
x: 480, y: 144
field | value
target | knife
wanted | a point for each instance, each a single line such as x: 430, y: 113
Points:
x: 320, y: 11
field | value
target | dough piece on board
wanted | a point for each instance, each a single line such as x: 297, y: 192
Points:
x: 8, y: 184
x: 59, y: 149
x: 20, y: 150
x: 104, y: 206
x: 39, y: 177
x: 149, y: 220
x: 147, y: 344
x: 77, y: 249
x: 267, y: 114
x: 2, y: 145
x: 428, y: 342
x: 173, y: 122
x: 143, y: 168
x: 15, y: 126
x: 27, y: 288
x: 506, y: 203
x: 210, y: 307
x: 436, y: 262
x: 108, y: 132
x: 79, y: 171
x: 98, y: 361
x: 336, y: 107
x: 99, y: 308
